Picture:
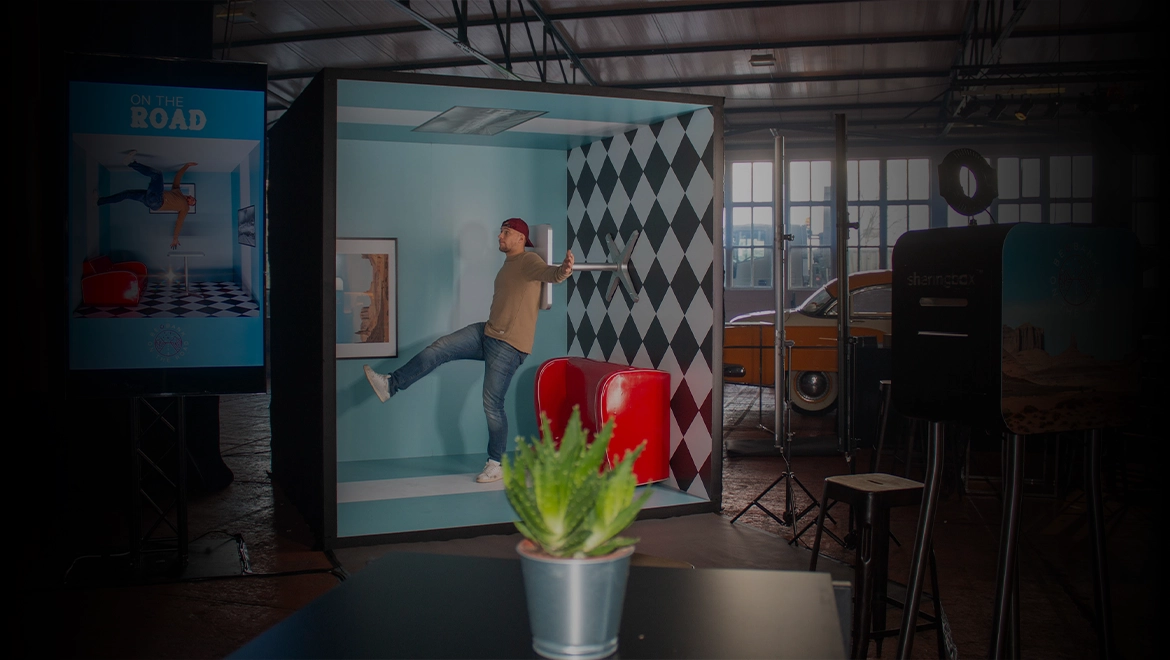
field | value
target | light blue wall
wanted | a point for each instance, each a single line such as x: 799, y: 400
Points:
x: 135, y: 233
x: 258, y: 198
x: 444, y: 204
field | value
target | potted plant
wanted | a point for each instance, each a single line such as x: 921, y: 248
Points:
x: 572, y: 509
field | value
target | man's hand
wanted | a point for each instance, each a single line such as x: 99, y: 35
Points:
x: 567, y: 264
x: 174, y: 243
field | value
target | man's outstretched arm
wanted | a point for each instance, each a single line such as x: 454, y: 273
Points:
x: 178, y: 226
x: 175, y: 185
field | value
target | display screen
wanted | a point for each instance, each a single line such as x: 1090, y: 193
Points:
x: 166, y: 226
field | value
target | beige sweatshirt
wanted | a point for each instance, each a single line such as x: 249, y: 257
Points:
x: 517, y: 299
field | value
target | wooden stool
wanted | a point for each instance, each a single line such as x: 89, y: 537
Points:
x: 871, y: 496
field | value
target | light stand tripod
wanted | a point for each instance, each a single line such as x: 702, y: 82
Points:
x: 782, y: 359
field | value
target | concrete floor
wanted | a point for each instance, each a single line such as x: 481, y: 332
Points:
x: 80, y: 604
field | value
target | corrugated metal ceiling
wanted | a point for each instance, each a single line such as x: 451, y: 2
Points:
x: 898, y: 68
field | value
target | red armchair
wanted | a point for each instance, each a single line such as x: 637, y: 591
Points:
x: 105, y: 283
x: 638, y: 398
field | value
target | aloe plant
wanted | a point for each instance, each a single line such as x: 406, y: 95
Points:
x: 567, y: 504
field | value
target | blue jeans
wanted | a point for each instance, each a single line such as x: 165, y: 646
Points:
x: 152, y: 197
x: 501, y: 360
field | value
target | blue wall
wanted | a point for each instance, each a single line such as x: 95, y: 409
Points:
x: 444, y: 204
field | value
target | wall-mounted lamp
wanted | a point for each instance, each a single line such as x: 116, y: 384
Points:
x: 762, y: 59
x: 1024, y: 109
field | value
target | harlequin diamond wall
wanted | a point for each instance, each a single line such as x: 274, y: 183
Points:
x: 657, y: 180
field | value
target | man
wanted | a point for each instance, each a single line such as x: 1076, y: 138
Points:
x: 502, y: 342
x: 154, y: 197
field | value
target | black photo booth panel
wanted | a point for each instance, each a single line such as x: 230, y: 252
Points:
x: 1021, y: 328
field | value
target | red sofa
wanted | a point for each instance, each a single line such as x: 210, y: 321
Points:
x: 638, y: 399
x: 106, y: 283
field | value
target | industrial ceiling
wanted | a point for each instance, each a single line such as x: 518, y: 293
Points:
x: 917, y: 71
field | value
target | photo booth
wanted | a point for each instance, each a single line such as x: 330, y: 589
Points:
x: 436, y: 164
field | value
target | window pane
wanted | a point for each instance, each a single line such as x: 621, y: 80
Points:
x: 1030, y: 177
x: 895, y: 179
x: 762, y: 181
x: 919, y: 178
x: 761, y: 267
x: 1082, y: 213
x: 741, y: 225
x: 1060, y: 176
x: 1009, y: 178
x: 798, y: 225
x: 820, y: 225
x: 741, y: 182
x: 822, y: 181
x: 1059, y: 214
x: 822, y: 259
x: 919, y: 217
x: 762, y: 230
x: 870, y: 259
x: 799, y: 267
x: 853, y: 213
x: 1029, y: 213
x: 870, y: 224
x: 1082, y: 176
x: 871, y: 182
x: 741, y: 267
x: 851, y: 190
x: 1008, y: 214
x: 895, y: 223
x: 799, y: 181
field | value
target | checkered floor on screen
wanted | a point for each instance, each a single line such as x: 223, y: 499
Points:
x: 168, y: 301
x: 658, y: 181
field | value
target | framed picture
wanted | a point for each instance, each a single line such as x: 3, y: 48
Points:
x: 186, y: 189
x: 367, y: 297
x: 246, y: 225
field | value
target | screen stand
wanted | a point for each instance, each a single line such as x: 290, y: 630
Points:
x: 159, y: 461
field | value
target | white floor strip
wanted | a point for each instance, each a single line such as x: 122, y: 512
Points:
x: 391, y: 489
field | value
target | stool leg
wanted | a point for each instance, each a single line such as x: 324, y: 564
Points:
x: 1097, y: 544
x: 816, y: 548
x: 922, y: 539
x: 938, y: 610
x: 882, y: 422
x: 1009, y: 533
x: 863, y: 607
x: 880, y: 542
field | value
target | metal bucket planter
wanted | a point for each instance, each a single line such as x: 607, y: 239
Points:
x: 574, y: 605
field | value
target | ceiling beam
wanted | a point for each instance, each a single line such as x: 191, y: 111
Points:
x: 567, y: 15
x: 423, y: 65
x: 455, y: 40
x: 560, y: 38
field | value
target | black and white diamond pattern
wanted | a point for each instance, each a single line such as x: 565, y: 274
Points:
x: 163, y: 300
x: 657, y: 180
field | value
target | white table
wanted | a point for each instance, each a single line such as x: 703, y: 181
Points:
x: 186, y: 273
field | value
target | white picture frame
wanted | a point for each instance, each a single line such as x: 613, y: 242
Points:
x: 366, y: 283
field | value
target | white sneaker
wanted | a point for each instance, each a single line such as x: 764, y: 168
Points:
x: 380, y: 383
x: 491, y: 472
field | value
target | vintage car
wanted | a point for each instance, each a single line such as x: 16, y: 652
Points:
x: 748, y: 339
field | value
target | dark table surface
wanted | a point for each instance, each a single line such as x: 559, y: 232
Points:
x: 409, y: 605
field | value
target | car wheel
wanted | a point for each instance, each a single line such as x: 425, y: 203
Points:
x: 813, y: 392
